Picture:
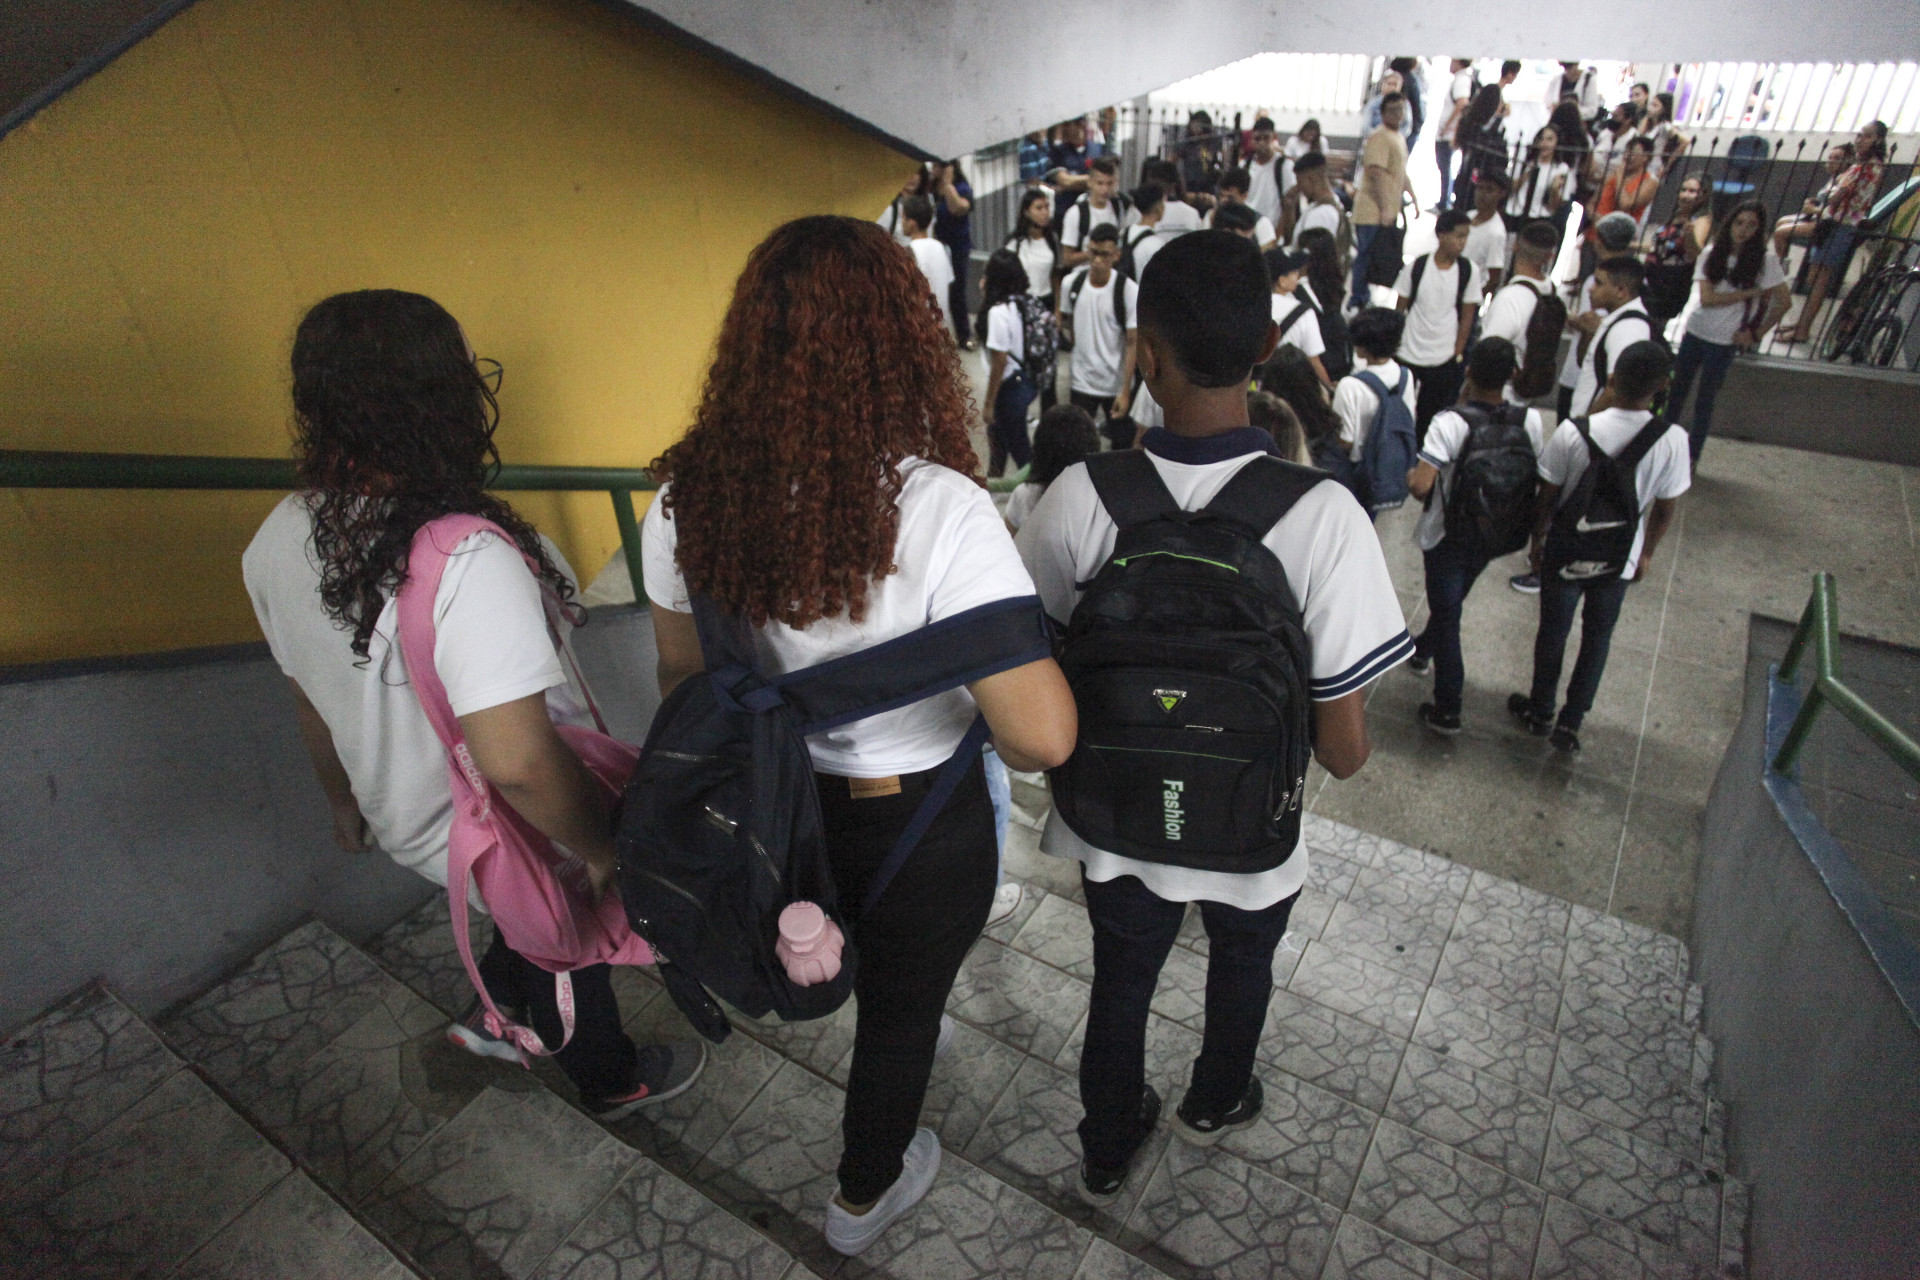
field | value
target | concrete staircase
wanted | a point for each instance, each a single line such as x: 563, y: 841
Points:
x: 1464, y: 1077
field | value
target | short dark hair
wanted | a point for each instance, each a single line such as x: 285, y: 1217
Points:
x: 1236, y: 217
x: 1625, y: 273
x: 1492, y: 362
x: 1309, y: 162
x: 1065, y: 435
x: 1263, y: 124
x: 1238, y: 180
x: 1494, y: 178
x: 1104, y: 165
x: 1207, y: 295
x: 919, y: 209
x: 1388, y: 100
x: 1377, y: 331
x: 1639, y: 140
x: 1540, y: 238
x: 1642, y: 84
x: 1105, y: 233
x: 1148, y: 196
x: 1164, y: 172
x: 1450, y: 220
x: 1511, y: 67
x: 1282, y: 261
x: 1641, y: 369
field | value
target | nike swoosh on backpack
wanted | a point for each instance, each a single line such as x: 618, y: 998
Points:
x: 1583, y: 526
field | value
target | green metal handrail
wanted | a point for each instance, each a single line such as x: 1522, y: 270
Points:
x: 37, y: 469
x: 1820, y: 628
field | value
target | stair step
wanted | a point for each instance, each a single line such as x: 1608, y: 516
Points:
x: 295, y: 1231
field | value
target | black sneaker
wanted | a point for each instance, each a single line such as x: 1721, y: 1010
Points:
x: 1430, y: 716
x: 1419, y: 665
x: 1520, y: 707
x: 1527, y: 584
x: 665, y: 1071
x: 1204, y: 1131
x: 1101, y: 1186
x: 1565, y: 740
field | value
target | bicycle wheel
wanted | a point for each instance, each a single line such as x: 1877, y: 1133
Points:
x: 1880, y: 342
x: 1851, y: 317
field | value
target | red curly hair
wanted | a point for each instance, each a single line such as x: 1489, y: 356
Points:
x: 833, y: 365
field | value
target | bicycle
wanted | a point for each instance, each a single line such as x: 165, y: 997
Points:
x: 1867, y: 328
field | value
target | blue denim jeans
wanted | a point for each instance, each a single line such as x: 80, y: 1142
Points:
x: 1363, y: 238
x: 1452, y: 568
x: 1007, y: 437
x: 1708, y: 361
x: 1133, y: 929
x: 1000, y: 791
x: 1558, y: 601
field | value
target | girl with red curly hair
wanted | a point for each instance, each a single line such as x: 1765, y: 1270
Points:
x: 826, y: 492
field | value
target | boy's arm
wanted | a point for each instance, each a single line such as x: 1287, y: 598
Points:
x: 1659, y: 520
x: 1124, y: 401
x: 1340, y: 740
x: 1545, y: 504
x: 1467, y: 312
x: 349, y: 826
x: 1420, y: 479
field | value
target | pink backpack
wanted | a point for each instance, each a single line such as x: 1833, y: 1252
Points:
x: 539, y: 897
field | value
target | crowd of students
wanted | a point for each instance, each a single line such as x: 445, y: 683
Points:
x: 826, y: 499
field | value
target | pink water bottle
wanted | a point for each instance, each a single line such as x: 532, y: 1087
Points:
x: 809, y: 944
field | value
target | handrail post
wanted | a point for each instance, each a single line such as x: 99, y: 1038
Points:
x: 629, y: 540
x: 1818, y: 630
x: 1804, y: 633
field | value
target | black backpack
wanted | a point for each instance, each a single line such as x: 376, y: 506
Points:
x: 1039, y: 339
x: 1490, y: 496
x: 1540, y: 370
x: 1078, y: 281
x: 720, y: 826
x: 1655, y: 333
x: 1594, y: 528
x: 1128, y: 243
x: 1464, y: 278
x: 1190, y: 666
x: 1337, y: 359
x: 1084, y: 205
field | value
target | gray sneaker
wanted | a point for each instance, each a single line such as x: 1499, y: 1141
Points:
x: 665, y: 1071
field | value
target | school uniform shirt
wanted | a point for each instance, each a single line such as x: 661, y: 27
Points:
x: 1264, y: 233
x: 1355, y: 404
x: 1099, y: 346
x: 1146, y: 242
x: 953, y: 553
x: 1269, y: 183
x: 1719, y: 324
x: 1303, y: 333
x: 1460, y: 90
x: 1433, y: 319
x: 1487, y: 246
x: 1020, y: 503
x: 1080, y: 220
x: 1664, y: 473
x: 491, y: 646
x: 1620, y: 330
x: 1533, y: 187
x: 1324, y: 216
x: 1338, y: 574
x: 1006, y: 332
x: 1570, y: 366
x: 1446, y: 438
x: 936, y: 264
x: 1179, y: 219
x: 1295, y: 147
x: 1508, y: 315
x: 1037, y: 257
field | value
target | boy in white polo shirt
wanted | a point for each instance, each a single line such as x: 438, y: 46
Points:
x: 1205, y: 324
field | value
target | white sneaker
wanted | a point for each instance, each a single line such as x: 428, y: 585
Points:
x: 851, y: 1233
x: 945, y: 1043
x: 1006, y: 901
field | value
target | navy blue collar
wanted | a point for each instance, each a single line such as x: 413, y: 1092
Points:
x: 1198, y: 451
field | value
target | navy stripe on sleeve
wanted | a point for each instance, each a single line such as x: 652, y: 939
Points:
x: 1389, y: 655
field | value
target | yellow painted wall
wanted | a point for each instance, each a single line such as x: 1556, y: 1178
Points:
x: 579, y: 192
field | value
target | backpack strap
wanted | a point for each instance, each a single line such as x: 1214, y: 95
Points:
x: 1371, y: 381
x: 1419, y: 270
x: 1130, y: 487
x: 1600, y: 363
x: 1293, y: 316
x: 1260, y: 494
x: 1641, y: 444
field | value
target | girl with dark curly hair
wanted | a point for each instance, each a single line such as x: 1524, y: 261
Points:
x: 826, y: 493
x: 393, y: 427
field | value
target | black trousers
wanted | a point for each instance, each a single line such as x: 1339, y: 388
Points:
x: 600, y: 1059
x: 957, y: 292
x: 1119, y: 432
x: 1133, y: 929
x: 1439, y: 390
x: 910, y: 950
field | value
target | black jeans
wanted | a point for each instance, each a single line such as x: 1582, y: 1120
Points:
x: 599, y: 1059
x: 1007, y: 437
x: 910, y: 950
x: 1133, y: 929
x: 1439, y: 389
x: 1451, y: 569
x: 1558, y: 600
x: 962, y: 256
x: 1119, y: 432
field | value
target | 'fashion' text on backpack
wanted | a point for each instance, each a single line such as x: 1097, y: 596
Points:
x: 720, y: 829
x: 1391, y: 446
x: 1190, y: 668
x: 1594, y: 528
x: 1540, y: 370
x: 1490, y: 496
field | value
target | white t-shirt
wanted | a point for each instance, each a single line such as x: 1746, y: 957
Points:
x: 1324, y: 216
x: 1338, y: 574
x: 1433, y: 321
x: 953, y: 553
x: 1145, y: 242
x: 1263, y: 230
x: 936, y: 264
x: 1719, y: 324
x: 1303, y: 333
x: 1099, y: 347
x: 1487, y: 246
x: 1620, y: 330
x: 1081, y: 218
x: 1537, y: 182
x: 1355, y: 403
x: 1508, y: 315
x: 1461, y: 90
x: 1020, y: 503
x: 1006, y: 333
x: 1179, y: 218
x: 1663, y: 473
x: 1295, y: 147
x: 1570, y: 367
x: 1269, y: 183
x: 1037, y: 257
x: 1446, y: 436
x: 491, y: 646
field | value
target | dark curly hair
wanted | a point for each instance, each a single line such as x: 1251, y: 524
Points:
x: 393, y: 426
x: 1064, y: 436
x: 833, y: 366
